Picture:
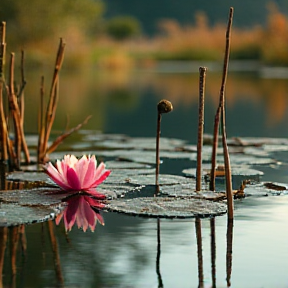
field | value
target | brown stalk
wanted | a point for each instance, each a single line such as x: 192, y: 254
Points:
x: 202, y: 78
x: 61, y: 138
x: 164, y: 106
x: 2, y: 49
x: 221, y: 102
x: 53, y: 99
x: 21, y: 91
x: 3, y: 127
x: 13, y: 107
x: 41, y: 128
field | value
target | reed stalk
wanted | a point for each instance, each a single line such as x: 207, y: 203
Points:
x: 221, y: 102
x: 53, y: 99
x: 202, y: 79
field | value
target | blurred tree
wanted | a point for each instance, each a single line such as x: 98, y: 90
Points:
x: 34, y: 20
x: 123, y: 27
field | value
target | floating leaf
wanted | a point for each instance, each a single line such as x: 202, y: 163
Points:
x: 162, y: 207
x: 220, y: 171
x: 265, y: 189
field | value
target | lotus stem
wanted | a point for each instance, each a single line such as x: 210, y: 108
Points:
x: 164, y: 106
x: 202, y: 79
x: 221, y: 101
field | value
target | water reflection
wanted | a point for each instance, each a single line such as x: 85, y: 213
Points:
x: 82, y: 210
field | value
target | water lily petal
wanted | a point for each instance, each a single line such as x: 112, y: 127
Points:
x: 90, y: 173
x: 71, y: 210
x: 56, y: 177
x: 81, y: 169
x: 98, y: 181
x: 100, y: 219
x: 94, y: 202
x: 72, y: 179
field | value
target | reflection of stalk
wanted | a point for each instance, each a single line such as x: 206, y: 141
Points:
x: 3, y: 240
x: 164, y: 106
x: 160, y: 282
x: 202, y: 79
x: 55, y: 253
x: 199, y: 252
x: 14, y: 245
x: 229, y: 251
x: 221, y: 103
x: 213, y: 251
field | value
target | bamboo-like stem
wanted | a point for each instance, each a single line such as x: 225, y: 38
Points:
x: 2, y: 49
x: 199, y: 252
x: 15, y: 114
x: 3, y: 128
x: 54, y: 244
x: 213, y: 251
x: 228, y: 176
x: 21, y: 91
x: 3, y: 241
x: 202, y: 79
x: 53, y: 100
x: 229, y: 250
x: 41, y: 128
x: 221, y: 101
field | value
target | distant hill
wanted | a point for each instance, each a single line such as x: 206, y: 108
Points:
x: 149, y: 12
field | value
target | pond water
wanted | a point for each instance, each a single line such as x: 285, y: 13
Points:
x: 130, y: 251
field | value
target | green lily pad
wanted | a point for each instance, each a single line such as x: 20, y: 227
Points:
x: 163, y: 207
x: 235, y: 170
x: 265, y: 189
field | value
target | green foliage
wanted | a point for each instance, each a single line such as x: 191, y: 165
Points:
x: 34, y: 20
x: 123, y: 27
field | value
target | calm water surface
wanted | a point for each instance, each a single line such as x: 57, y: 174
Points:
x: 124, y: 252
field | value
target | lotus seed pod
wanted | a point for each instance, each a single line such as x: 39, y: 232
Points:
x: 164, y: 106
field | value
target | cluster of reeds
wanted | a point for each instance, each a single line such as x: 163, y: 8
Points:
x: 12, y: 136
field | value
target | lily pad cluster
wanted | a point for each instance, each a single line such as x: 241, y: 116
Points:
x: 131, y: 186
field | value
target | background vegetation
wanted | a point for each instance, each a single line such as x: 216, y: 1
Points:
x: 99, y: 32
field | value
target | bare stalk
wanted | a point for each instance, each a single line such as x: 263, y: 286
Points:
x: 61, y: 138
x: 202, y: 79
x: 53, y: 100
x: 164, y: 106
x: 221, y: 101
x: 41, y: 128
x: 2, y: 49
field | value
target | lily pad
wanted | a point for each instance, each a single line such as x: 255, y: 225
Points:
x: 163, y: 207
x: 265, y: 189
x: 29, y: 206
x: 220, y: 172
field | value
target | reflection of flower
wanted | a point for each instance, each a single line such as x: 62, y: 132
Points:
x: 82, y: 209
x: 74, y: 174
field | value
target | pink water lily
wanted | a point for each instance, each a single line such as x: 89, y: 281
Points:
x: 83, y: 210
x: 72, y: 174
